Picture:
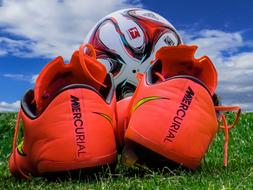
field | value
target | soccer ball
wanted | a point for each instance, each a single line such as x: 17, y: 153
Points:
x: 126, y: 41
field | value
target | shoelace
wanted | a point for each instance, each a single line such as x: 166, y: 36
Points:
x: 160, y: 76
x: 226, y: 126
x: 90, y: 51
x: 14, y: 146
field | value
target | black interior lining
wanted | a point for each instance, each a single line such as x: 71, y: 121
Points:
x: 29, y: 106
x: 157, y: 67
x: 108, y: 92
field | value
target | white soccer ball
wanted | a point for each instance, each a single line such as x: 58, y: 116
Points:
x: 126, y: 41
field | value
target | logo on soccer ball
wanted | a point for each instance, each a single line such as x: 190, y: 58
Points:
x: 134, y: 33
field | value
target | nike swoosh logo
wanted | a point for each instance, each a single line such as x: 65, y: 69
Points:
x: 146, y: 99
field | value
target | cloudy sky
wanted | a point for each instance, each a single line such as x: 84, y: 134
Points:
x: 32, y: 32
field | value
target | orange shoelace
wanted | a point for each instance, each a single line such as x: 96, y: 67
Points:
x: 160, y: 76
x: 14, y: 146
x: 225, y: 126
x: 90, y: 52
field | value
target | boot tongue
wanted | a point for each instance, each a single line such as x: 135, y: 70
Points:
x: 82, y: 69
x: 179, y: 60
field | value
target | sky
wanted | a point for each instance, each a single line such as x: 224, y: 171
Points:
x: 33, y: 32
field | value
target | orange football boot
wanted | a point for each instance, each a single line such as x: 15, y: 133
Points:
x: 69, y: 118
x: 172, y: 113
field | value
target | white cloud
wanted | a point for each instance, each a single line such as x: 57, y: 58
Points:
x: 15, y: 47
x: 9, y: 107
x: 51, y: 27
x: 21, y: 77
x: 235, y: 67
x: 34, y: 78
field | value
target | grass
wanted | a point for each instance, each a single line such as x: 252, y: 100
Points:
x: 210, y: 175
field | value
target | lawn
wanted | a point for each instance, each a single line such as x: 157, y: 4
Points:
x: 210, y: 175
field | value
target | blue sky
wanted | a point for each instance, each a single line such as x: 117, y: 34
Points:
x: 32, y: 32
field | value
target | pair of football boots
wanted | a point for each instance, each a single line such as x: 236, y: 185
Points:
x: 71, y: 119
